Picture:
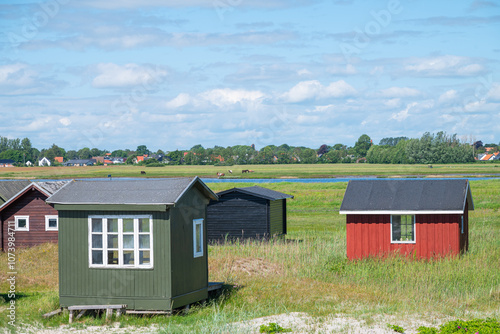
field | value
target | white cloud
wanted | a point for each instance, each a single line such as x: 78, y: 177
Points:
x: 113, y: 75
x: 225, y: 97
x: 16, y: 74
x: 393, y: 103
x: 448, y: 65
x: 400, y: 92
x: 313, y: 89
x: 304, y: 72
x: 449, y: 96
x: 403, y: 114
x: 222, y: 98
x: 322, y: 108
x: 65, y: 121
x: 412, y: 108
x: 179, y: 101
x: 23, y: 79
x: 494, y: 92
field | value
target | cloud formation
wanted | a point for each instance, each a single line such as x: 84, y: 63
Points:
x: 314, y: 90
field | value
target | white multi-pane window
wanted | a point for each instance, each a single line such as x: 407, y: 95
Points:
x: 402, y: 228
x: 51, y: 223
x: 198, y: 237
x: 121, y: 241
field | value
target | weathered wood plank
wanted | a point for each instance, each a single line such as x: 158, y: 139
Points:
x: 53, y: 313
x: 95, y: 307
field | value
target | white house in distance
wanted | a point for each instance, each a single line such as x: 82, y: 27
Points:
x: 44, y: 162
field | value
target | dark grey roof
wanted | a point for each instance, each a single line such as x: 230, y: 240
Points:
x: 6, y: 161
x: 259, y: 192
x: 418, y: 196
x: 9, y: 189
x: 80, y: 161
x: 158, y: 191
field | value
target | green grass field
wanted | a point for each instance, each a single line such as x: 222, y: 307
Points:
x: 260, y: 171
x: 307, y: 273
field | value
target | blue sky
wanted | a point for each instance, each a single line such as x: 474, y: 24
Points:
x: 173, y: 74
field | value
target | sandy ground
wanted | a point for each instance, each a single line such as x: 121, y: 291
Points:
x: 298, y: 322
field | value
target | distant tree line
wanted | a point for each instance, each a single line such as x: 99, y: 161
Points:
x: 429, y: 149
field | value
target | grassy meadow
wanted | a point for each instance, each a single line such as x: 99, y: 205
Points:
x: 260, y: 171
x: 308, y: 272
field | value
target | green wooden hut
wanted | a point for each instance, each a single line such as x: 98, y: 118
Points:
x: 140, y: 243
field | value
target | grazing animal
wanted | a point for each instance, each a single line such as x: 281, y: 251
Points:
x: 219, y: 175
x: 250, y: 171
x: 143, y: 172
x: 245, y: 171
x: 230, y: 171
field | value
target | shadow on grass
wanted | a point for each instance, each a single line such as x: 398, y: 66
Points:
x: 5, y: 298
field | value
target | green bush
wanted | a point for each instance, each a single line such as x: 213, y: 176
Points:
x: 396, y: 328
x: 273, y: 328
x: 475, y: 326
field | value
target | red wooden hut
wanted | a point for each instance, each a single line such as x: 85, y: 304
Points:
x: 26, y: 214
x: 425, y: 218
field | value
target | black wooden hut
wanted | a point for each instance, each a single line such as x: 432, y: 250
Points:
x: 249, y: 212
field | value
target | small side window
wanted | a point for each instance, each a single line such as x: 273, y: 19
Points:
x: 51, y: 223
x: 22, y: 223
x: 198, y: 237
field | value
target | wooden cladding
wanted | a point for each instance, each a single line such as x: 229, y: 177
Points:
x: 32, y: 204
x: 435, y: 235
x: 241, y: 215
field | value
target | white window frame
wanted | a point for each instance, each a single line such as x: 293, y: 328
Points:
x: 17, y: 218
x: 414, y: 232
x: 198, y: 222
x: 120, y: 232
x: 47, y: 219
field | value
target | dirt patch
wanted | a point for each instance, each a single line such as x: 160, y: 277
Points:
x: 256, y: 267
x: 238, y: 269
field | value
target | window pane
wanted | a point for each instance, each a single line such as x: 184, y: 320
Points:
x: 112, y: 240
x: 406, y: 228
x: 198, y: 238
x: 52, y: 222
x: 97, y: 241
x: 396, y: 228
x: 21, y: 223
x: 144, y: 257
x: 96, y: 225
x: 128, y: 257
x: 112, y: 257
x: 144, y: 241
x: 143, y: 224
x: 113, y: 225
x: 128, y: 241
x: 96, y: 257
x: 128, y: 225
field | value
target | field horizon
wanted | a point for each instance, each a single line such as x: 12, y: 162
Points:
x: 259, y: 171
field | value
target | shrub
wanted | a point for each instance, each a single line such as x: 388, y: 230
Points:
x: 273, y: 328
